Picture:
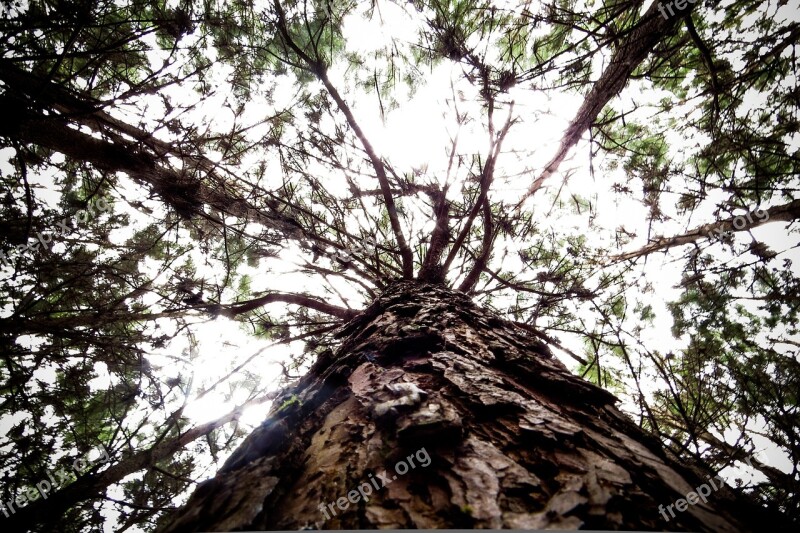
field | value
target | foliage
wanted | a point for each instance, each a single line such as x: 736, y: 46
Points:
x: 240, y: 147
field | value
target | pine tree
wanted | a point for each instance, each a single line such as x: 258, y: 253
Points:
x: 479, y: 313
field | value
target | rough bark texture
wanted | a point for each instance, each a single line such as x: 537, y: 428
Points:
x: 514, y: 439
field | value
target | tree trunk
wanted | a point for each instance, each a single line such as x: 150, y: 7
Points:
x: 468, y: 421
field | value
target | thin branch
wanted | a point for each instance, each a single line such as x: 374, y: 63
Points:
x: 486, y: 181
x: 785, y: 212
x: 318, y: 67
x: 709, y: 62
x: 89, y: 485
x: 233, y: 310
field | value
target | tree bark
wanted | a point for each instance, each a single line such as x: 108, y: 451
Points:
x: 513, y: 439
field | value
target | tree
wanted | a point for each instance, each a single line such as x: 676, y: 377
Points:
x: 437, y: 300
x: 513, y: 439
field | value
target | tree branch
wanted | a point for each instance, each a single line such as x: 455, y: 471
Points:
x: 486, y: 181
x: 438, y: 238
x: 633, y: 50
x: 319, y: 69
x: 785, y: 212
x: 468, y: 285
x: 233, y: 310
x: 88, y: 486
x: 709, y: 62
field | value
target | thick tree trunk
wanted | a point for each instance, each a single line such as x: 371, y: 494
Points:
x: 468, y: 421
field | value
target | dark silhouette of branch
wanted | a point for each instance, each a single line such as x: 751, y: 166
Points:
x: 709, y: 62
x: 468, y: 285
x: 486, y: 182
x: 318, y: 67
x: 634, y: 49
x: 233, y: 310
x: 89, y: 486
x: 785, y: 212
x: 136, y: 152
